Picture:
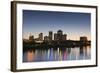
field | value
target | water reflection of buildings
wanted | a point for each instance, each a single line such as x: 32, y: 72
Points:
x: 30, y: 56
x: 60, y: 49
x: 85, y: 51
x: 58, y: 54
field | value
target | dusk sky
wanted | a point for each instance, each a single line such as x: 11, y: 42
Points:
x: 71, y: 23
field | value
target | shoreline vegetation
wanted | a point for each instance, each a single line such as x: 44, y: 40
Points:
x: 31, y: 44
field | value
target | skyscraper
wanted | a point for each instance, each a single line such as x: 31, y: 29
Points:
x: 59, y: 35
x: 60, y: 32
x: 55, y: 37
x: 41, y: 36
x: 50, y: 35
x: 64, y: 37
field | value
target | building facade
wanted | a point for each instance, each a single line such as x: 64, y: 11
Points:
x: 59, y: 36
x: 31, y: 37
x: 41, y: 37
x: 55, y: 37
x: 50, y: 35
x: 46, y: 38
x: 64, y: 37
x: 83, y: 38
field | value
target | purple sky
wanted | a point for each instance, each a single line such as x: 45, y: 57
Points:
x: 71, y: 23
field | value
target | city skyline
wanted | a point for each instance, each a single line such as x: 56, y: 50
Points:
x: 51, y: 36
x: 73, y: 24
x: 59, y: 35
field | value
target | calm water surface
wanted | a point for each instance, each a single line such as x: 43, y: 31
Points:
x: 57, y: 54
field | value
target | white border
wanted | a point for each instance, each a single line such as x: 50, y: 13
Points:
x: 34, y: 65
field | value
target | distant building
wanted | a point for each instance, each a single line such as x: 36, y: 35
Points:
x: 55, y: 37
x: 60, y: 32
x: 83, y: 38
x: 59, y: 35
x: 50, y: 35
x: 31, y: 37
x: 46, y: 38
x: 40, y: 37
x: 64, y: 37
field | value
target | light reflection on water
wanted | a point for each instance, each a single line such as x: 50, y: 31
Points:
x: 57, y: 54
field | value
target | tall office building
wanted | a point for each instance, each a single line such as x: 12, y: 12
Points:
x: 41, y: 36
x: 31, y: 37
x: 64, y: 37
x: 59, y: 35
x: 50, y: 35
x: 60, y: 32
x: 55, y: 37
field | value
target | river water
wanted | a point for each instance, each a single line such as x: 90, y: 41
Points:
x: 57, y: 54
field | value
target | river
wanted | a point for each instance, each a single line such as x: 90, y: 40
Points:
x: 57, y: 54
